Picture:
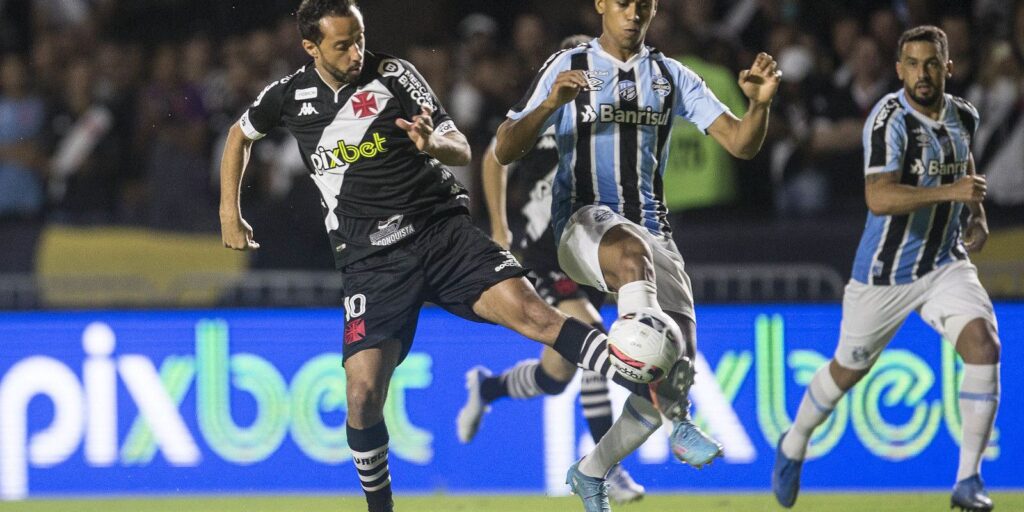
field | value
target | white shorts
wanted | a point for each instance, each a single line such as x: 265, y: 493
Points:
x: 577, y: 255
x: 947, y: 299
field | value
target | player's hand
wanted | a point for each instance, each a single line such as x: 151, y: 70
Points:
x: 237, y: 234
x: 761, y: 81
x: 970, y: 189
x: 976, y: 233
x: 568, y: 85
x: 420, y: 129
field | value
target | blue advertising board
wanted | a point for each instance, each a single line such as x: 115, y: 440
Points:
x: 239, y: 401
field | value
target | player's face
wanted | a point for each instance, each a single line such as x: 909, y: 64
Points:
x: 626, y: 21
x: 340, y: 53
x: 923, y: 71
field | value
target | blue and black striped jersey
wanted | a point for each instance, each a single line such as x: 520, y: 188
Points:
x: 898, y: 249
x: 613, y: 139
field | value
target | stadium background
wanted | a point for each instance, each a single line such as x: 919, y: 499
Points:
x: 118, y: 293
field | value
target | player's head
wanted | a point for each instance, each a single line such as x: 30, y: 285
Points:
x: 332, y: 33
x: 626, y: 21
x: 573, y: 41
x: 923, y: 63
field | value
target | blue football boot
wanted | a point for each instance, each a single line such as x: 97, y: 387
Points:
x: 689, y: 443
x: 593, y: 491
x: 969, y: 494
x: 785, y: 476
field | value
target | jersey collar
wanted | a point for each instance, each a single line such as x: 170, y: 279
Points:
x: 335, y: 91
x: 929, y: 122
x: 642, y: 54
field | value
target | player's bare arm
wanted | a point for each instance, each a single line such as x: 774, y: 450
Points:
x: 885, y: 194
x: 742, y: 138
x: 495, y: 180
x: 516, y: 137
x: 976, y: 231
x: 451, y: 148
x: 235, y: 231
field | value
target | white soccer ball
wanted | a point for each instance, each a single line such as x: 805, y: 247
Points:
x: 643, y: 346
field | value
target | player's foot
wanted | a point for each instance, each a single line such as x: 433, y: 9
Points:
x: 786, y: 476
x: 969, y: 494
x: 468, y: 421
x: 692, y: 446
x: 671, y: 394
x: 621, y: 487
x: 593, y: 491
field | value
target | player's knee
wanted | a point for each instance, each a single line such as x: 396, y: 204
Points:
x: 365, y: 400
x: 978, y: 343
x: 846, y: 377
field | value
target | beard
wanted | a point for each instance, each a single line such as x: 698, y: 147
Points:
x: 345, y: 77
x: 924, y: 101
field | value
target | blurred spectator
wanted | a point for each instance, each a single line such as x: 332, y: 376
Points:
x: 885, y: 31
x: 845, y: 33
x: 22, y: 164
x: 958, y: 32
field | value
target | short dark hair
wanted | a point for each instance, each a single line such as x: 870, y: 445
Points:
x: 929, y: 33
x: 310, y: 13
x: 573, y: 41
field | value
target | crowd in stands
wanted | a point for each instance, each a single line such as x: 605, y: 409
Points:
x: 101, y: 128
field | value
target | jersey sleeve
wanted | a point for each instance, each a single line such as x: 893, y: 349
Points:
x: 414, y: 93
x: 265, y: 113
x: 541, y: 87
x: 885, y: 137
x: 694, y: 101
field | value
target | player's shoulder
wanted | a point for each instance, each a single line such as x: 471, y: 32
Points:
x: 282, y: 86
x: 963, y: 106
x: 889, y: 107
x: 676, y: 68
x: 559, y: 60
x: 386, y: 65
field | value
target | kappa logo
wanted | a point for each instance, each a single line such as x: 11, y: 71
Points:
x: 307, y: 109
x: 589, y: 115
x: 627, y: 90
x: 364, y: 104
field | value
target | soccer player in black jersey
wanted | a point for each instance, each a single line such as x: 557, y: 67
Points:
x: 518, y: 198
x: 376, y: 142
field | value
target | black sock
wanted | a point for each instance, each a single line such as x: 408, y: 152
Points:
x: 370, y: 454
x: 493, y: 388
x: 597, y: 405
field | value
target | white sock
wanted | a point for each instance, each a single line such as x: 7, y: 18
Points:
x: 636, y: 295
x: 821, y: 397
x: 639, y: 419
x: 979, y: 399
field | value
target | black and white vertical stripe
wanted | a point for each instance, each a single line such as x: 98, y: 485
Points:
x: 373, y: 468
x: 594, y: 355
x: 942, y: 213
x: 897, y: 227
x: 626, y: 163
x: 583, y: 165
x: 521, y: 379
x: 664, y: 132
x: 594, y: 395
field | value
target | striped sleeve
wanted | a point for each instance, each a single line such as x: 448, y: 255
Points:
x: 265, y: 113
x: 694, y: 101
x: 968, y: 115
x: 541, y: 85
x: 885, y: 137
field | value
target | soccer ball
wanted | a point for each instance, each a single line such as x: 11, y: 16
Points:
x: 643, y: 346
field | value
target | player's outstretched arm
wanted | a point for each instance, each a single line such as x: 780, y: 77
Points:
x: 742, y: 138
x: 885, y: 194
x: 235, y: 231
x: 517, y: 136
x: 451, y: 148
x: 495, y: 180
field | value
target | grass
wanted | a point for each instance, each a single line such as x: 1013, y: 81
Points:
x: 759, y: 502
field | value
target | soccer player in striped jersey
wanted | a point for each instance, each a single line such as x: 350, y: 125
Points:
x: 913, y: 257
x: 518, y: 198
x: 611, y: 102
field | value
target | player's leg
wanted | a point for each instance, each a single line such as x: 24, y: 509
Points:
x: 383, y: 298
x: 367, y: 374
x: 960, y: 310
x: 865, y: 330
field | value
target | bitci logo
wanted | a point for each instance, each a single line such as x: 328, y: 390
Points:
x: 364, y: 104
x: 355, y: 330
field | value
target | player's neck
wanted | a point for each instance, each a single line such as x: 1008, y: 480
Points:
x: 328, y: 78
x: 611, y: 47
x: 933, y: 111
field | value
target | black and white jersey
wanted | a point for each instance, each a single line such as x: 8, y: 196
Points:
x: 529, y: 199
x: 376, y: 188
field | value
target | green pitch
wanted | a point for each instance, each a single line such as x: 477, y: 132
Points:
x: 817, y: 502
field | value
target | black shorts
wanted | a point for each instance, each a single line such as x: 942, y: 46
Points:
x: 541, y: 257
x: 450, y: 263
